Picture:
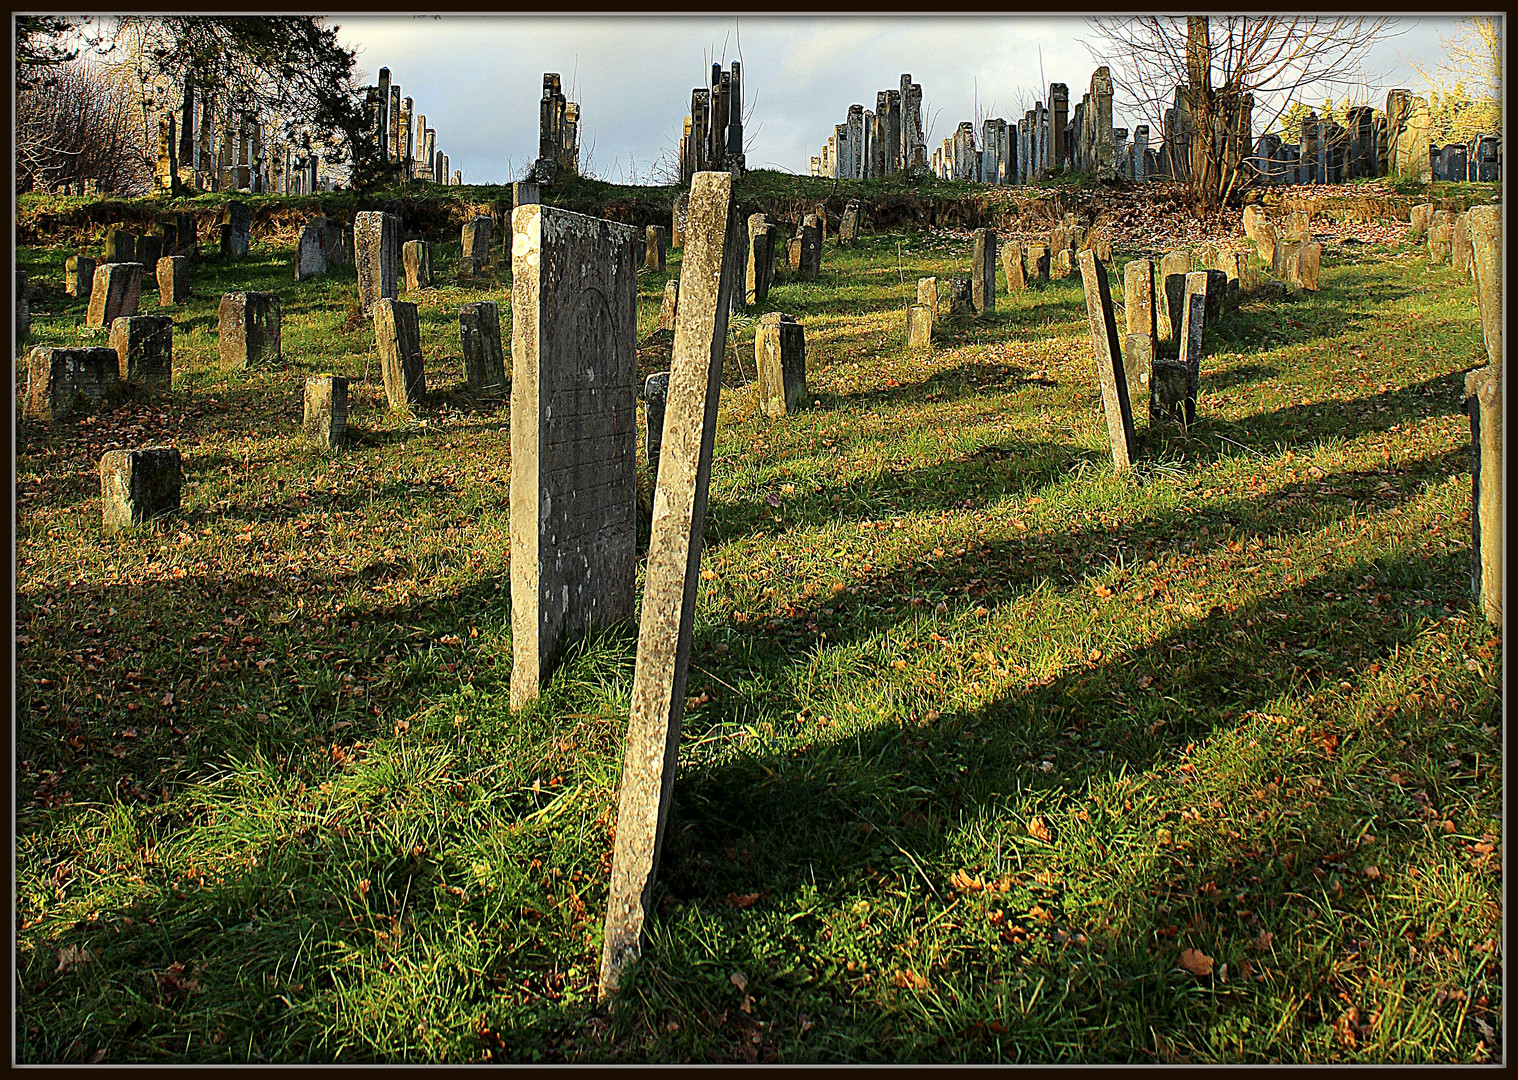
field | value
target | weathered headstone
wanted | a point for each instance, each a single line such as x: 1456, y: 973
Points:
x: 173, y: 280
x: 120, y: 247
x: 1062, y: 264
x: 248, y: 328
x: 983, y: 271
x: 1261, y: 233
x: 236, y: 239
x: 810, y: 264
x: 326, y: 410
x: 573, y: 435
x: 1460, y: 245
x: 1174, y: 266
x: 1217, y: 294
x: 310, y: 253
x: 670, y: 306
x: 149, y: 250
x: 377, y: 251
x: 1298, y: 225
x: 760, y: 270
x: 144, y: 347
x: 115, y: 292
x: 1140, y: 311
x: 961, y: 298
x: 780, y: 356
x: 1012, y: 267
x: 848, y: 228
x: 79, y: 276
x: 1138, y: 368
x: 1441, y: 242
x: 927, y: 296
x: 524, y: 193
x: 398, y: 339
x: 655, y: 395
x: 1302, y: 266
x: 677, y: 220
x: 475, y: 257
x: 674, y: 561
x: 1418, y: 220
x: 1483, y: 403
x: 654, y: 239
x: 919, y: 327
x: 61, y: 382
x: 416, y: 256
x: 337, y: 242
x: 480, y: 336
x: 1107, y: 353
x: 137, y: 486
x: 1036, y: 261
x: 1485, y: 225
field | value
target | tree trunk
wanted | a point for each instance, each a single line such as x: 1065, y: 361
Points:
x: 1204, y: 171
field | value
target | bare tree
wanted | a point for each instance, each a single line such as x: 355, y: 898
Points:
x: 1224, y: 67
x: 79, y: 125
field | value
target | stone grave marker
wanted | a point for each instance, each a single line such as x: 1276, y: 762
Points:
x: 1460, y: 245
x: 325, y: 421
x: 780, y: 356
x: 1217, y: 294
x: 23, y: 306
x: 983, y: 271
x: 144, y: 347
x: 573, y: 435
x: 1483, y: 403
x: 961, y: 298
x: 120, y: 247
x: 810, y: 266
x: 248, y: 326
x: 115, y: 292
x: 173, y: 280
x: 654, y: 239
x: 78, y: 276
x: 655, y: 394
x: 524, y: 193
x: 1485, y: 225
x: 1174, y: 266
x: 149, y: 250
x: 670, y: 306
x: 677, y: 214
x: 1036, y: 261
x: 475, y: 258
x: 1418, y: 220
x: 1141, y: 337
x: 480, y: 335
x: 186, y: 242
x: 398, y: 339
x: 236, y: 238
x: 310, y: 253
x: 674, y: 561
x: 919, y: 327
x: 1012, y: 267
x: 377, y: 251
x: 1441, y: 243
x: 137, y: 486
x: 760, y: 271
x: 62, y: 382
x: 927, y: 296
x: 416, y: 256
x: 1138, y: 371
x: 337, y: 242
x: 1061, y: 265
x: 1107, y: 352
x: 1174, y: 384
x: 848, y: 229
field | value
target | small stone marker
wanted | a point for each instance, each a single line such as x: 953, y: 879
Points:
x: 480, y: 335
x: 1174, y: 383
x: 377, y: 251
x: 476, y: 253
x: 677, y: 213
x: 416, y: 256
x: 337, y: 242
x: 120, y: 247
x: 961, y: 297
x: 811, y: 252
x: 848, y: 229
x: 398, y: 338
x: 326, y: 417
x: 1012, y: 267
x: 1441, y: 242
x: 919, y: 327
x: 116, y: 291
x: 1217, y: 293
x: 1483, y: 403
x: 927, y: 296
x: 79, y: 276
x: 760, y: 271
x: 574, y: 435
x: 983, y: 271
x: 1107, y: 352
x: 780, y: 356
x: 1460, y: 245
x: 236, y: 239
x: 1485, y: 225
x: 1138, y: 370
x: 149, y: 251
x: 1174, y: 266
x: 1418, y: 220
x: 1061, y: 265
x: 61, y: 382
x: 1036, y: 261
x: 144, y: 347
x: 1140, y: 314
x: 23, y: 306
x: 310, y: 253
x: 173, y: 280
x: 674, y: 561
x: 137, y: 486
x: 1298, y: 225
x: 655, y: 394
x: 654, y: 239
x: 248, y: 325
x: 668, y: 309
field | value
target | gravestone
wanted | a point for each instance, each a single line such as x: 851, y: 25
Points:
x: 919, y: 327
x: 983, y: 271
x: 173, y: 280
x: 655, y: 394
x: 674, y: 560
x: 1298, y: 225
x: 848, y: 229
x: 1485, y: 225
x: 310, y: 253
x: 1174, y: 266
x: 166, y: 232
x: 1418, y: 220
x: 573, y: 435
x: 780, y: 356
x: 1217, y: 294
x: 137, y: 486
x: 480, y: 336
x: 961, y: 298
x: 760, y: 270
x: 677, y: 221
x: 670, y: 306
x: 248, y: 328
x: 1062, y: 264
x: 1302, y: 266
x: 1441, y: 242
x: 1483, y: 404
x: 115, y: 292
x: 235, y: 237
x: 475, y: 257
x: 1138, y: 368
x: 78, y: 276
x: 144, y: 347
x: 654, y: 239
x: 337, y: 242
x: 416, y: 256
x: 186, y: 242
x: 377, y: 251
x: 149, y: 250
x: 1285, y: 250
x: 1107, y: 352
x: 1012, y: 267
x: 120, y: 247
x: 524, y: 193
x: 326, y: 410
x: 810, y: 264
x: 62, y: 382
x: 1140, y: 312
x: 1460, y: 245
x: 1036, y: 261
x: 927, y: 296
x: 398, y: 339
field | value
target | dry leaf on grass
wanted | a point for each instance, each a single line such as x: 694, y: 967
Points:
x: 1196, y: 962
x: 1040, y: 831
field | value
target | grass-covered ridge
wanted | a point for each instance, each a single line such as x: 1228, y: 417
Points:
x: 983, y: 743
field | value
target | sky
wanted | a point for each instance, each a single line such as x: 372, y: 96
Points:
x: 478, y: 78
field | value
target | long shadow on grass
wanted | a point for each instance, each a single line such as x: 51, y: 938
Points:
x: 1437, y: 396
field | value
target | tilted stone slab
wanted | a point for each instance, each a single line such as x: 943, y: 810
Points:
x: 573, y: 435
x: 416, y: 256
x: 144, y: 347
x: 79, y: 276
x: 137, y: 486
x: 480, y: 337
x: 927, y: 296
x: 1036, y: 261
x: 655, y: 240
x: 674, y: 562
x: 961, y: 298
x: 475, y: 256
x: 1483, y: 403
x: 983, y: 271
x: 919, y: 327
x: 1485, y: 225
x: 1012, y: 267
x: 1174, y: 266
x: 780, y: 357
x: 325, y: 421
x: 655, y: 396
x: 1108, y: 354
x: 759, y: 272
x: 398, y: 339
x: 116, y: 292
x: 671, y: 304
x: 248, y: 328
x: 377, y: 253
x: 120, y: 247
x: 63, y: 382
x: 848, y: 229
x: 173, y: 280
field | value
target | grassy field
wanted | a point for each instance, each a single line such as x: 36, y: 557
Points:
x: 990, y: 755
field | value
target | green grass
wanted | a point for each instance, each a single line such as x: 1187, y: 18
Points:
x: 980, y: 736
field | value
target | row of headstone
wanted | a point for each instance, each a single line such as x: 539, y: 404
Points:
x: 558, y: 134
x: 712, y: 138
x: 870, y: 145
x: 220, y: 146
x: 401, y: 134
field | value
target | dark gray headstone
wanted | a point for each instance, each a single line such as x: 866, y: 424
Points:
x: 398, y: 338
x: 61, y: 382
x: 144, y: 347
x: 377, y: 251
x: 248, y: 328
x: 480, y: 336
x: 137, y: 486
x: 780, y: 356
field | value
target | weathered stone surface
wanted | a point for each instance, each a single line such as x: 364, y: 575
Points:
x: 398, y: 339
x: 655, y: 395
x: 760, y: 270
x: 1419, y: 218
x: 1285, y: 251
x: 237, y: 239
x: 848, y: 229
x: 326, y: 415
x: 1138, y: 366
x: 248, y: 328
x: 920, y: 326
x: 1140, y: 311
x: 1217, y: 294
x: 173, y: 280
x: 983, y: 271
x: 416, y: 256
x: 1485, y: 225
x: 120, y: 247
x: 961, y: 298
x: 1172, y: 398
x: 1174, y: 266
x: 1298, y: 225
x: 1441, y: 242
x: 310, y: 253
x: 377, y: 251
x: 1107, y: 352
x: 674, y: 561
x: 79, y: 276
x: 654, y: 239
x: 573, y: 435
x: 1460, y: 245
x: 1303, y: 265
x: 475, y: 257
x: 144, y: 347
x: 1483, y: 403
x: 1264, y: 236
x: 810, y: 262
x: 62, y: 382
x: 115, y: 292
x: 1012, y: 267
x: 927, y: 295
x: 137, y: 486
x: 524, y: 193
x: 780, y: 356
x: 671, y: 304
x: 480, y: 336
x: 1036, y: 261
x: 337, y: 242
x: 1062, y: 264
x: 149, y: 251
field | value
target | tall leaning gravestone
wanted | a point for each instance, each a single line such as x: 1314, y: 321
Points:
x: 708, y: 276
x: 574, y: 445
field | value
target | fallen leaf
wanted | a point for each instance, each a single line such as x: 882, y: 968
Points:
x: 73, y: 956
x: 965, y: 882
x: 1196, y: 962
x: 1039, y: 831
x: 910, y: 980
x: 746, y: 900
x: 739, y: 980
